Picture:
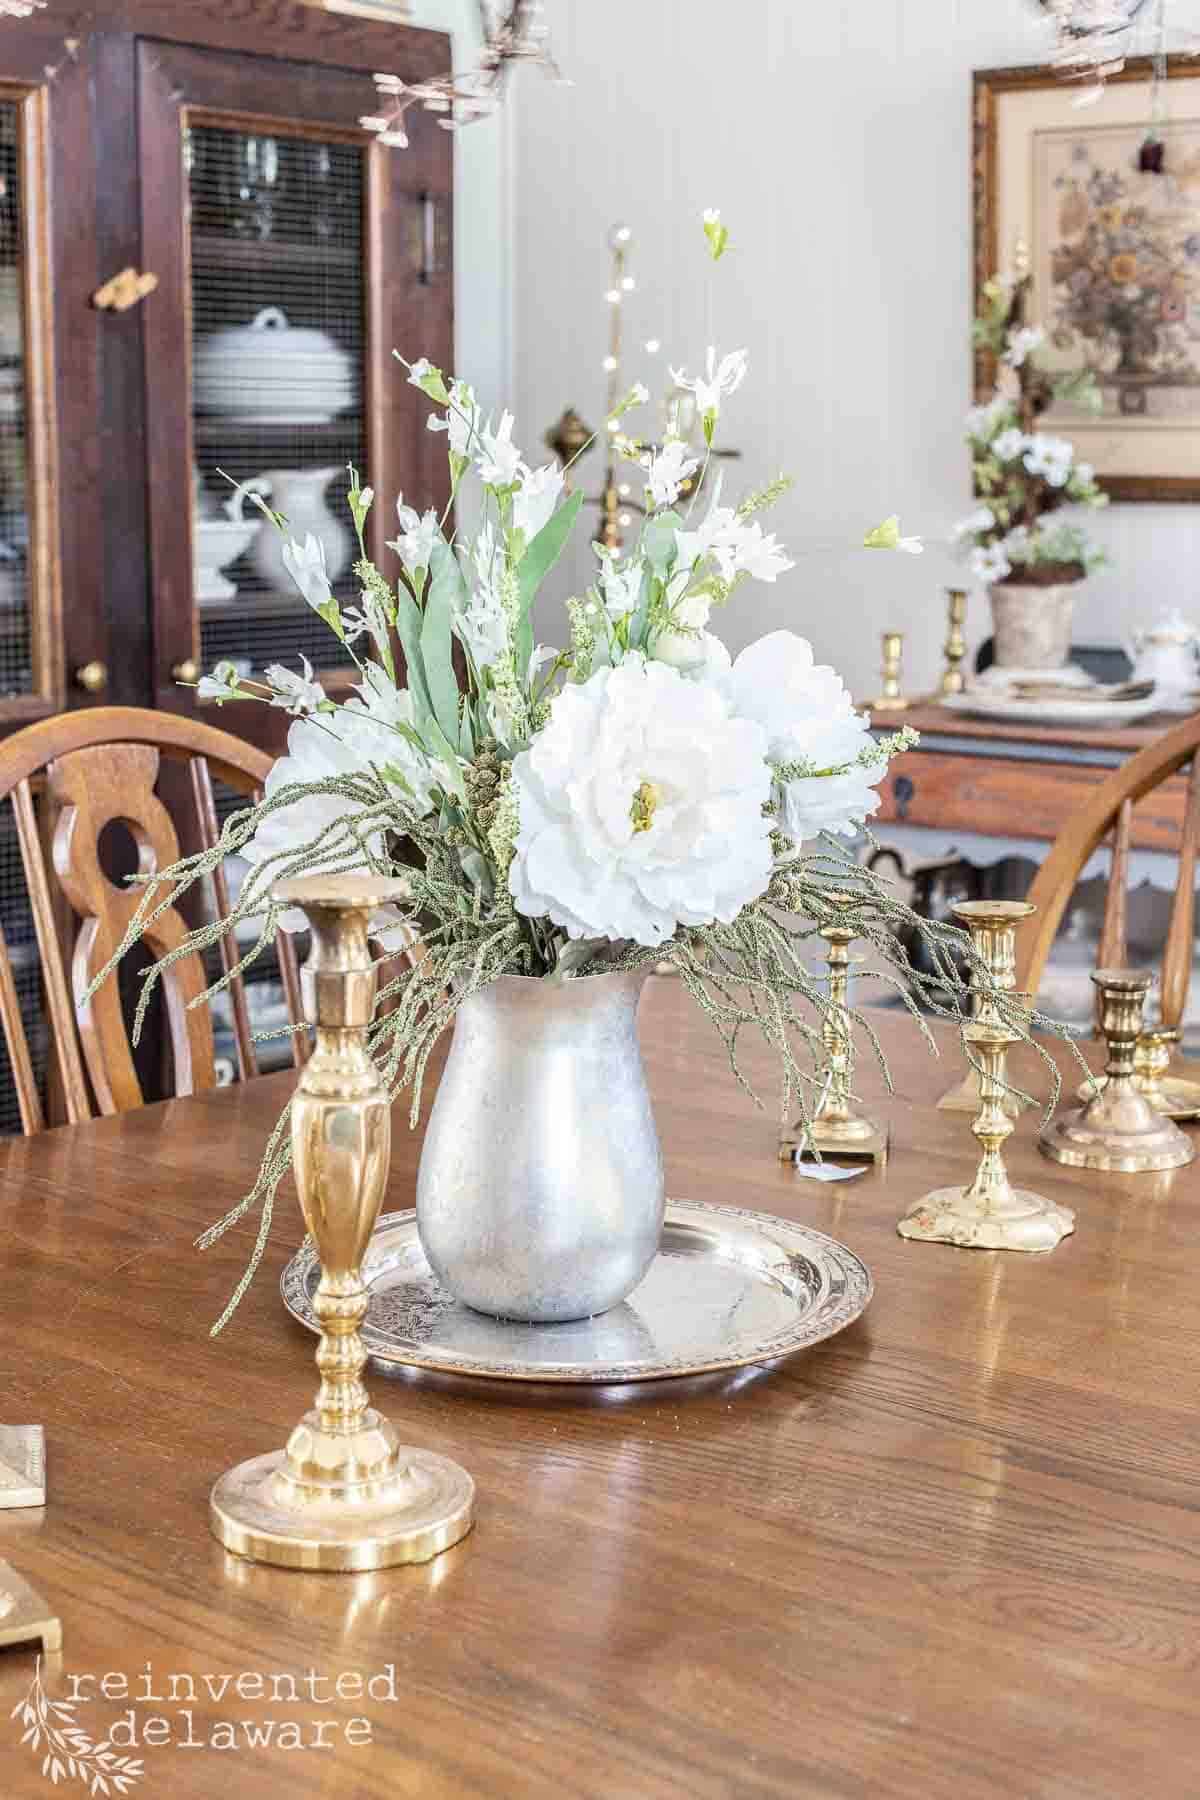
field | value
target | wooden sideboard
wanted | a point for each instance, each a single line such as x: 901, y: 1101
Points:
x: 1017, y: 781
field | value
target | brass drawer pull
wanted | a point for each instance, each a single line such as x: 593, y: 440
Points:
x: 188, y: 671
x: 93, y: 677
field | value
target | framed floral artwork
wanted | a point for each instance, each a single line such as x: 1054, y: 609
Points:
x: 1103, y: 202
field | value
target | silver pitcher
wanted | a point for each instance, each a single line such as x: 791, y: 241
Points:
x: 540, y: 1191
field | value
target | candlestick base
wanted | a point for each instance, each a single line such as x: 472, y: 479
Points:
x: 1126, y: 1136
x: 836, y: 1137
x: 1012, y: 1220
x: 343, y: 1501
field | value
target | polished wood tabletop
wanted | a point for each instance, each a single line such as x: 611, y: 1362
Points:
x: 952, y: 1553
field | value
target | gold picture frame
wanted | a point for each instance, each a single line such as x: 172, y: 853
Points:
x: 1114, y: 253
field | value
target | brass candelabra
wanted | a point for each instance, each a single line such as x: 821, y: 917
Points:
x: 1119, y: 1129
x: 836, y: 1129
x: 343, y: 1494
x: 993, y: 928
x: 890, y: 698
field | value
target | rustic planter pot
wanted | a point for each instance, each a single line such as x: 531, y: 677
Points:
x: 1032, y: 625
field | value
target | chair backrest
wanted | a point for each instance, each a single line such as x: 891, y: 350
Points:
x: 68, y: 778
x: 1109, y: 813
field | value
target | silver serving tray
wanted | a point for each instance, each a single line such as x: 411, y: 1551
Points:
x: 726, y: 1289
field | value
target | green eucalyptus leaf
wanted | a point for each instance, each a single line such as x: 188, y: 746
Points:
x: 533, y: 568
x: 658, y: 541
x: 408, y: 625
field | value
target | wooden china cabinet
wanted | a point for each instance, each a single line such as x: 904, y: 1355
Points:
x: 205, y: 265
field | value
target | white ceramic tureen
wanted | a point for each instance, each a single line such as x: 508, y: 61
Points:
x: 273, y: 373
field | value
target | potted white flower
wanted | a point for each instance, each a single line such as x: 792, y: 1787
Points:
x: 1017, y: 541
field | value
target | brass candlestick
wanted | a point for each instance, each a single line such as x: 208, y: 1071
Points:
x: 343, y: 1495
x: 993, y: 928
x: 1119, y: 1130
x: 990, y: 1214
x: 1175, y: 1096
x: 955, y: 648
x: 891, y: 699
x: 836, y: 1129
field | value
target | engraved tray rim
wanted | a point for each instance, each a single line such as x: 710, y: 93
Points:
x: 848, y: 1282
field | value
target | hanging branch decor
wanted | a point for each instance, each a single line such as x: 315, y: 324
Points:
x: 516, y: 34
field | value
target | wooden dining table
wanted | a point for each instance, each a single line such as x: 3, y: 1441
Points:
x: 952, y: 1553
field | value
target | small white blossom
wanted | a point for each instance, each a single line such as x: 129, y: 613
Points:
x: 667, y: 470
x: 719, y: 379
x: 1051, y: 458
x: 987, y: 562
x: 536, y: 499
x: 1009, y: 444
x: 1022, y: 343
x: 621, y: 587
x: 982, y: 519
x: 305, y: 563
x: 296, y: 694
x: 499, y: 460
x: 984, y: 421
x: 221, y: 685
x: 461, y: 421
x: 418, y: 535
x: 762, y: 557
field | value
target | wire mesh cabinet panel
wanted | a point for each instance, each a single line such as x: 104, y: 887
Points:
x: 296, y: 254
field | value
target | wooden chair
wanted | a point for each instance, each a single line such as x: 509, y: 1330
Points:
x: 87, y: 770
x: 1109, y: 814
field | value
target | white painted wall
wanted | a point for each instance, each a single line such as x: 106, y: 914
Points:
x: 835, y: 136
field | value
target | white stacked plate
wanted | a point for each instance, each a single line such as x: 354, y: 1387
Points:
x: 1047, y: 704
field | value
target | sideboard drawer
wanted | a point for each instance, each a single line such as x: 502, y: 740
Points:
x: 998, y: 796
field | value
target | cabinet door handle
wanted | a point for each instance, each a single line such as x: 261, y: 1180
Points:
x: 123, y: 291
x: 188, y: 671
x: 93, y: 677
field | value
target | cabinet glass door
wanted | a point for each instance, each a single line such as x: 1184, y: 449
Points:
x: 294, y: 252
x: 278, y: 314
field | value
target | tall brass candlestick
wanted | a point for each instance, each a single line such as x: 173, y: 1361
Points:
x: 1119, y: 1130
x: 955, y: 648
x: 343, y: 1495
x: 836, y: 1129
x: 990, y: 1214
x: 993, y: 928
x: 890, y: 697
x: 1175, y: 1096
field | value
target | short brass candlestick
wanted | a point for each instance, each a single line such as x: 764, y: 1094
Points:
x: 993, y: 928
x: 890, y: 698
x: 990, y: 1214
x: 836, y: 1129
x: 955, y: 648
x: 1119, y: 1130
x: 343, y: 1495
x: 1175, y: 1096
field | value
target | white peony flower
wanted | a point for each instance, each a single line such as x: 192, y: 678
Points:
x: 667, y: 470
x: 418, y: 535
x: 641, y: 808
x: 358, y: 736
x: 498, y: 461
x: 808, y: 716
x: 461, y: 420
x: 305, y: 563
x: 297, y: 694
x: 536, y: 499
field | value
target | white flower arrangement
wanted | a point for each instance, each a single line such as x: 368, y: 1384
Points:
x: 1022, y: 473
x: 635, y: 795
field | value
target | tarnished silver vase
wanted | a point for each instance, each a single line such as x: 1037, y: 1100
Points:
x: 540, y: 1191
